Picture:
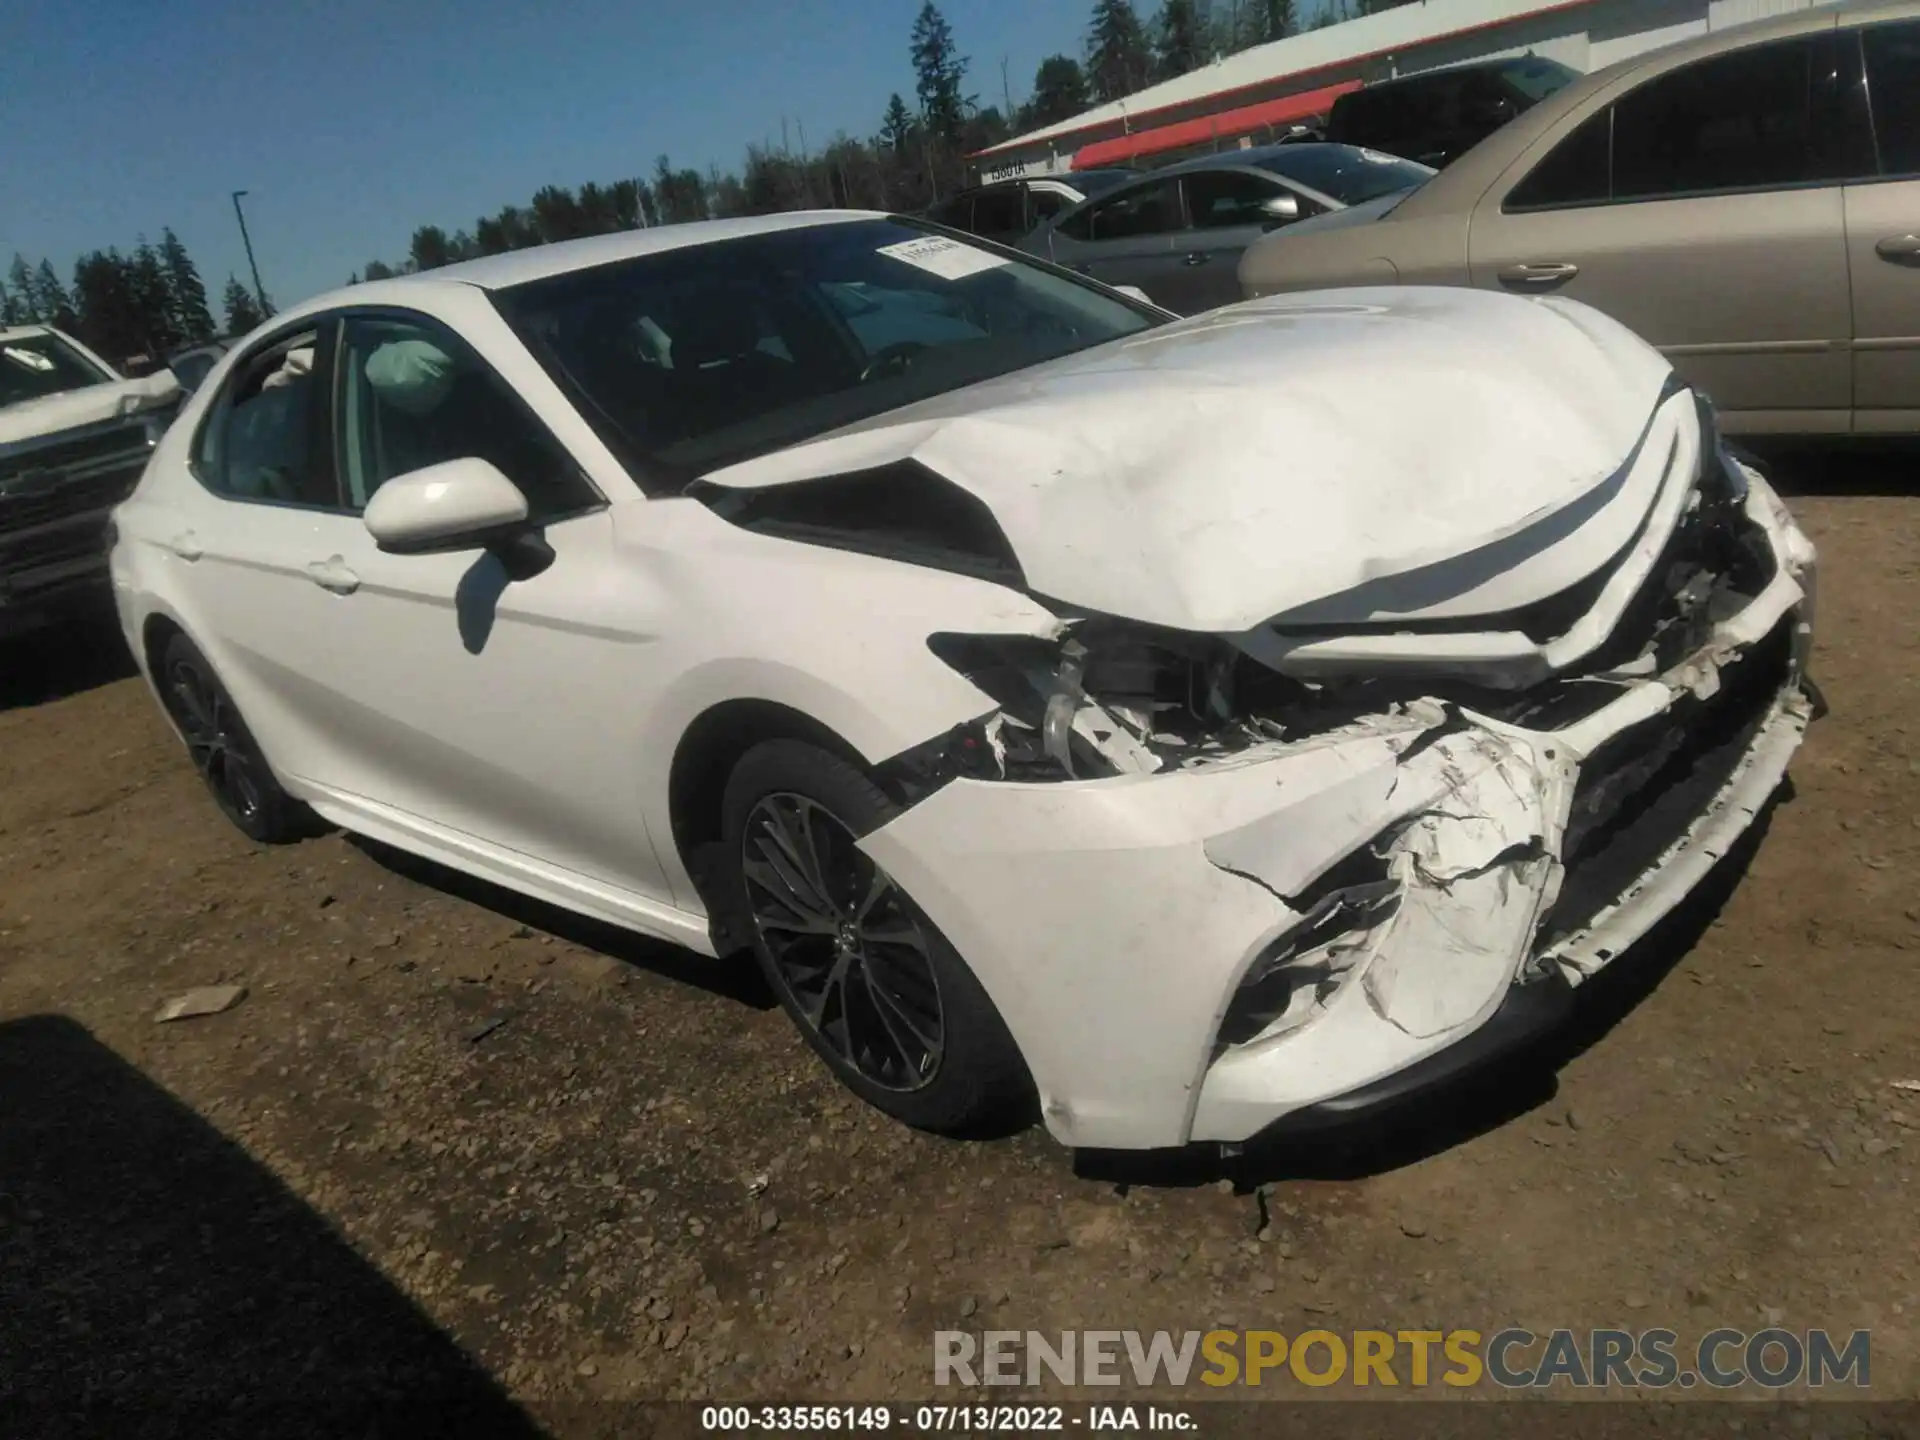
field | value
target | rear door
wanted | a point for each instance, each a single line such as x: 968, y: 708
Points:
x: 1225, y: 217
x: 1883, y: 237
x: 1126, y: 238
x: 1702, y: 207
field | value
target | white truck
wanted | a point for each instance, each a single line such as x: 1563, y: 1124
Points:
x: 74, y: 438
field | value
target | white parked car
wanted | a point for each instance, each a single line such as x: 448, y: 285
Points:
x: 1198, y: 727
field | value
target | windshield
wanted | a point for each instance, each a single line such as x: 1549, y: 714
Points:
x: 711, y: 354
x: 35, y: 366
x: 1536, y: 78
x: 1347, y: 173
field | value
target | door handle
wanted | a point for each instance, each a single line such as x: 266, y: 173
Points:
x: 1197, y: 257
x: 1538, y: 274
x: 1899, y: 249
x: 186, y: 545
x: 333, y: 574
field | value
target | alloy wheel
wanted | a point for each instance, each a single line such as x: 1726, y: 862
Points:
x: 844, y: 942
x: 218, y: 743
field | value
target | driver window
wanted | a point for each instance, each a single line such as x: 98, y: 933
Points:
x: 259, y: 440
x: 412, y: 395
x: 1144, y: 210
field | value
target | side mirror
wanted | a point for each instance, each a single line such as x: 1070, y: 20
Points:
x: 464, y: 504
x: 1279, y: 210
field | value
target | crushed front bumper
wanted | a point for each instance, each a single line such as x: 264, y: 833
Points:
x: 1118, y: 922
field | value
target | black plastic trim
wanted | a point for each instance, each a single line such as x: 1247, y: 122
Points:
x: 1528, y: 1012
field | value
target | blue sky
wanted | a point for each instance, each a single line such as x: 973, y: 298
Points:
x: 351, y: 122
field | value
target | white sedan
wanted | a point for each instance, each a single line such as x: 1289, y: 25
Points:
x: 1189, y: 729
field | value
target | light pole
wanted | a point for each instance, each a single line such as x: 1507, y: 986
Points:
x: 259, y: 292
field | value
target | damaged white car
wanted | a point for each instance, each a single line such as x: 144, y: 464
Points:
x: 1195, y: 727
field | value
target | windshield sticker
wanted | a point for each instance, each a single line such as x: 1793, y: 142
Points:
x: 948, y: 259
x: 27, y: 359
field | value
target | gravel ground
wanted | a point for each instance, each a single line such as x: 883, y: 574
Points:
x: 457, y: 1147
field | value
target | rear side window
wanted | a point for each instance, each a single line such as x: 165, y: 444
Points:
x: 1744, y: 121
x: 1144, y: 210
x: 1893, y: 82
x: 264, y: 437
x: 1577, y: 171
x: 1769, y: 117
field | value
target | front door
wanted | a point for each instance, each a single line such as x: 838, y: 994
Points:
x: 1883, y: 237
x: 1126, y: 238
x: 1692, y: 208
x: 485, y: 706
x: 1225, y: 215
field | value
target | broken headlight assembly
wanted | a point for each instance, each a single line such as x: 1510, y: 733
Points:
x: 1107, y: 699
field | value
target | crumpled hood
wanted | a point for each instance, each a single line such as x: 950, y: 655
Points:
x: 71, y: 409
x: 1214, y: 473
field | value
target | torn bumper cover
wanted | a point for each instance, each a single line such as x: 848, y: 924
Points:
x: 1199, y: 951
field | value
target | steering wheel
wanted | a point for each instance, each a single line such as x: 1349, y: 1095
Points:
x: 896, y: 357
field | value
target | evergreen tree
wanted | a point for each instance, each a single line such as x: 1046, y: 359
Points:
x: 896, y: 127
x: 152, y: 300
x: 939, y: 69
x: 1178, y: 46
x: 1118, y: 57
x: 22, y: 306
x: 1059, y: 92
x: 1268, y: 20
x: 243, y: 312
x: 51, y: 301
x: 429, y: 249
x: 187, y: 297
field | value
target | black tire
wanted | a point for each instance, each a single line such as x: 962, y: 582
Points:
x: 223, y: 749
x: 907, y: 1028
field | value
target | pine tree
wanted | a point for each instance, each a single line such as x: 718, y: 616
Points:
x: 186, y: 295
x: 51, y: 301
x: 1269, y: 20
x: 152, y: 300
x: 22, y: 306
x: 938, y: 69
x: 896, y: 127
x: 1118, y: 57
x: 1178, y: 46
x: 243, y: 312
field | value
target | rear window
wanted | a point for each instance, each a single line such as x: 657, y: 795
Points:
x: 1346, y: 173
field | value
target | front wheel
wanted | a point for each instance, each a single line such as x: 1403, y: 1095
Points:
x: 224, y: 750
x: 871, y: 983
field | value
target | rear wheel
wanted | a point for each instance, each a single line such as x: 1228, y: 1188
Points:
x: 874, y: 987
x: 223, y: 749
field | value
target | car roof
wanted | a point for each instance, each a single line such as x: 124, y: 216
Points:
x: 1464, y: 67
x: 24, y: 332
x: 1460, y: 186
x: 1253, y: 157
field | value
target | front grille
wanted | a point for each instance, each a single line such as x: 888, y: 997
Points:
x: 1641, y: 790
x: 83, y: 474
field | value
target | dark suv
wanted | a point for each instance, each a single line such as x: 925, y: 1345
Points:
x: 1437, y: 115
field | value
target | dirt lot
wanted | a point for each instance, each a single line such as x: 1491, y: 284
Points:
x: 451, y: 1143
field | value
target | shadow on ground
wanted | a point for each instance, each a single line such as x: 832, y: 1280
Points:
x: 1869, y: 465
x: 157, y: 1281
x: 74, y: 653
x: 1432, y: 1121
x: 736, y: 978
